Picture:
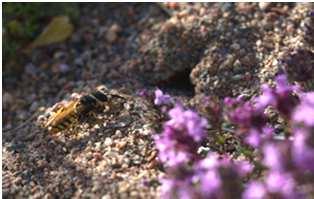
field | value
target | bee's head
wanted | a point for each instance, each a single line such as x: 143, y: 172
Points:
x: 99, y: 95
x: 88, y: 101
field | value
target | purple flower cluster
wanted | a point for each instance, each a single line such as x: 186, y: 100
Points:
x: 250, y: 117
x: 181, y: 137
x: 304, y: 112
x: 220, y: 177
x: 283, y: 163
x: 276, y: 185
x: 210, y: 177
x: 250, y: 120
x: 303, y: 125
x: 283, y: 97
x: 211, y: 108
x: 279, y: 180
x: 284, y: 159
x: 298, y: 109
x: 189, y: 175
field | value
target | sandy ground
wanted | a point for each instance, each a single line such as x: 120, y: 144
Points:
x: 185, y: 49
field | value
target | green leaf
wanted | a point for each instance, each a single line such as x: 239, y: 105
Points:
x: 58, y: 30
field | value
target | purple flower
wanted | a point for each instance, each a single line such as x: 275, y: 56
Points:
x: 210, y: 182
x: 142, y: 93
x: 267, y: 98
x: 177, y: 188
x: 303, y: 120
x: 254, y: 190
x: 282, y: 84
x: 281, y: 97
x: 230, y: 102
x: 276, y: 183
x: 245, y: 115
x: 287, y: 161
x: 210, y: 162
x: 187, y: 121
x: 280, y: 182
x: 253, y: 138
x: 243, y: 167
x: 208, y: 177
x: 302, y: 152
x: 169, y: 151
x: 181, y: 136
x: 304, y: 113
x: 213, y: 174
x: 161, y: 98
x: 256, y: 137
x: 286, y: 100
x: 272, y: 157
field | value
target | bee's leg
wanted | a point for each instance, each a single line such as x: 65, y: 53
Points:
x: 67, y: 132
x: 75, y: 130
x: 94, y: 118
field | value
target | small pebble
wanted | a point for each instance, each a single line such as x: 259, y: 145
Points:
x: 264, y: 5
x: 63, y: 68
x: 108, y: 142
x: 112, y: 33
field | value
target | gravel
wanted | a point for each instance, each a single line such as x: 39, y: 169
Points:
x: 187, y: 49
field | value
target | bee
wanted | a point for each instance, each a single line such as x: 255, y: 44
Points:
x: 78, y: 109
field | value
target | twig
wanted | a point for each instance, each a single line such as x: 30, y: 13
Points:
x: 223, y: 128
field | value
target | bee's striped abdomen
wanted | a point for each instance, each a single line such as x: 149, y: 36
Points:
x: 64, y: 123
x: 67, y: 122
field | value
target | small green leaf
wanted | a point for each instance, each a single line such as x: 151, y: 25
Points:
x: 58, y: 30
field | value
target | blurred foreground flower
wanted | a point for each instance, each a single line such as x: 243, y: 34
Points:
x: 303, y: 142
x: 284, y: 164
x: 283, y: 97
x: 188, y: 175
x: 181, y: 136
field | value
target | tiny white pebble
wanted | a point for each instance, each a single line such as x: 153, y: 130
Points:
x: 108, y: 142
